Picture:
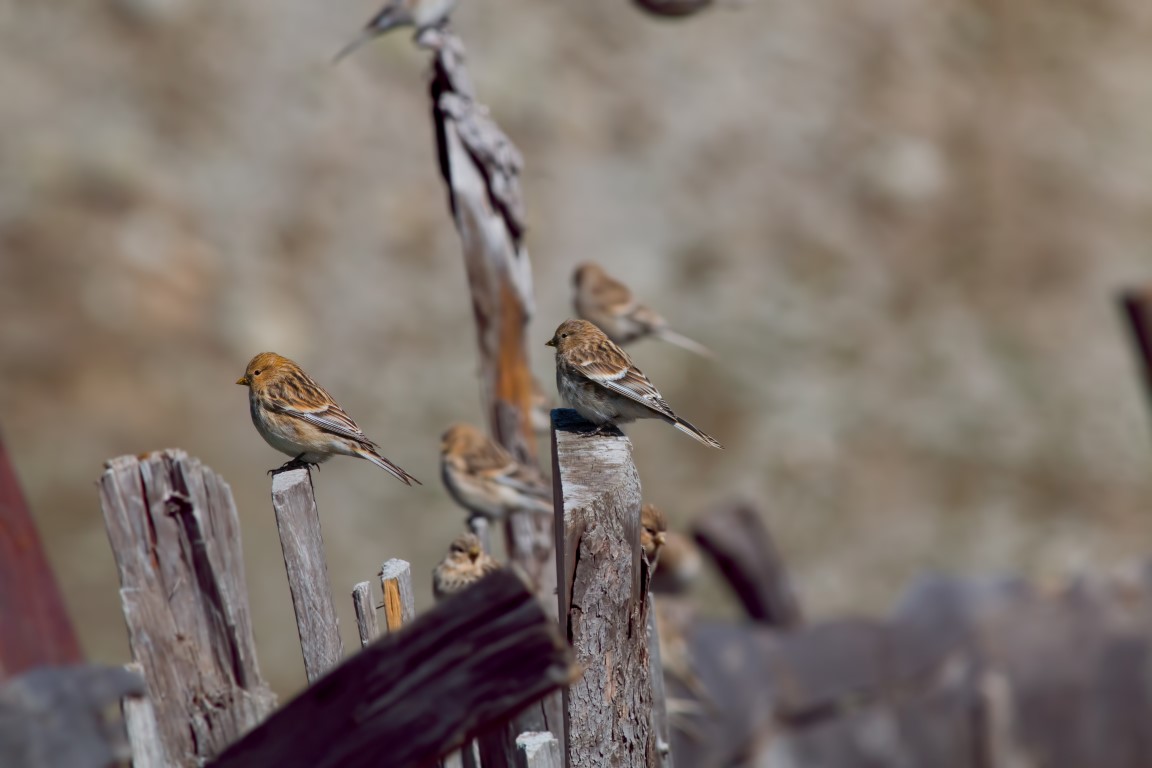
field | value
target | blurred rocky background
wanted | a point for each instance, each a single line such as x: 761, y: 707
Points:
x: 900, y: 224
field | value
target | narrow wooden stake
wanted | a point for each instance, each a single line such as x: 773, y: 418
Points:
x: 298, y: 523
x: 399, y: 600
x: 143, y: 730
x: 608, y: 712
x: 366, y: 624
x: 176, y: 538
x: 479, y: 526
x: 538, y: 750
x: 463, y: 667
x: 661, y: 728
x: 34, y: 626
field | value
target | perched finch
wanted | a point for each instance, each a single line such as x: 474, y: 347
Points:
x: 680, y: 564
x: 484, y: 478
x: 599, y: 380
x: 297, y: 416
x: 464, y: 565
x: 422, y: 14
x: 653, y: 524
x: 609, y: 304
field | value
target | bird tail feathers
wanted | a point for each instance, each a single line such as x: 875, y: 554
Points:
x: 689, y: 429
x: 683, y: 341
x: 392, y: 469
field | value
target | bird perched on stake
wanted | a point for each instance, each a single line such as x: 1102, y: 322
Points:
x: 653, y: 524
x: 610, y: 305
x: 464, y: 565
x: 484, y: 478
x: 297, y: 416
x: 599, y: 380
x: 422, y: 14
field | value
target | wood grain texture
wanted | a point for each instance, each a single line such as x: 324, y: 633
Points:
x: 143, y: 730
x: 366, y: 625
x: 609, y: 710
x: 28, y: 589
x: 468, y: 665
x: 399, y: 599
x: 538, y: 750
x: 174, y: 532
x: 735, y: 537
x: 298, y: 522
x: 661, y: 728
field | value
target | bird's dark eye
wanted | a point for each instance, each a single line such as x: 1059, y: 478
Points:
x: 563, y: 335
x: 255, y: 373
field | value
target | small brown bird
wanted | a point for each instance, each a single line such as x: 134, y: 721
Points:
x: 297, y: 416
x: 599, y: 380
x: 464, y: 565
x: 653, y: 524
x: 484, y: 478
x: 609, y: 304
x: 422, y: 14
x: 680, y: 564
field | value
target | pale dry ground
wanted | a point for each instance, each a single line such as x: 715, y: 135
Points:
x: 899, y: 224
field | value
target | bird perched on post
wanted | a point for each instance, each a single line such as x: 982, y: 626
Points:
x: 484, y: 478
x: 597, y: 378
x: 653, y: 525
x: 464, y: 565
x: 609, y: 304
x: 297, y: 416
x: 422, y: 14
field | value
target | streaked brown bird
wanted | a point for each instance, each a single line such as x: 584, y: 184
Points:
x: 680, y: 564
x: 421, y: 14
x: 485, y: 479
x: 597, y: 378
x: 297, y: 416
x: 464, y: 565
x: 653, y: 525
x: 609, y: 304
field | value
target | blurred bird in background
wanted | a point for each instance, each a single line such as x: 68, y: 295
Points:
x: 464, y: 565
x: 297, y: 416
x: 485, y: 479
x: 609, y: 304
x: 680, y: 564
x: 653, y: 524
x: 599, y: 380
x: 421, y: 14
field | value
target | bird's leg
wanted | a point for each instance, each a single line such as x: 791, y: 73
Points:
x: 597, y: 431
x: 296, y: 463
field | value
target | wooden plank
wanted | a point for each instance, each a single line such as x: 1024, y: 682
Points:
x: 298, y: 523
x: 43, y: 634
x: 465, y: 666
x: 538, y: 750
x: 143, y: 730
x: 738, y: 541
x: 399, y: 599
x: 175, y: 535
x: 609, y: 710
x: 57, y: 717
x: 661, y: 728
x: 366, y: 625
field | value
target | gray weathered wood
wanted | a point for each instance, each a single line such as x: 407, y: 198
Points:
x: 478, y: 524
x: 366, y: 625
x: 399, y: 599
x: 143, y: 730
x: 176, y: 539
x: 609, y: 710
x: 463, y: 667
x: 298, y: 523
x: 660, y: 727
x: 738, y: 541
x: 538, y: 750
x: 57, y: 717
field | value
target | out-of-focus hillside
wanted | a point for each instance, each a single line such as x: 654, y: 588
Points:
x: 899, y: 224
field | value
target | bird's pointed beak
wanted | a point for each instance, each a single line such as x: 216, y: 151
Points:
x: 243, y: 381
x: 551, y: 342
x: 365, y: 36
x: 660, y: 539
x: 474, y: 553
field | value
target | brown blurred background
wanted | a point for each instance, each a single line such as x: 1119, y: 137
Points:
x: 899, y: 224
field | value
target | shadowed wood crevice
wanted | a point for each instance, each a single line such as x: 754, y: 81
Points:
x: 464, y: 667
x: 176, y: 539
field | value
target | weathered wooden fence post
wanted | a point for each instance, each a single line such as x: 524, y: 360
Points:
x: 176, y: 538
x: 298, y: 522
x: 367, y: 627
x: 608, y: 712
x: 399, y: 599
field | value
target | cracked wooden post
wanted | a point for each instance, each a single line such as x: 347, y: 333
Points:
x: 298, y: 523
x: 538, y: 750
x: 176, y: 538
x: 399, y: 599
x: 608, y: 712
x: 367, y: 627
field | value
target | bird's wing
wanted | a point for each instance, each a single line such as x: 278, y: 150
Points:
x: 495, y: 463
x: 614, y: 296
x: 328, y: 416
x: 609, y: 367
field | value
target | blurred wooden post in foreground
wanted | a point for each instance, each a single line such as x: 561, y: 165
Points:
x: 176, y: 538
x: 399, y: 600
x: 608, y: 712
x: 298, y: 523
x: 42, y: 634
x: 738, y: 541
x: 463, y: 667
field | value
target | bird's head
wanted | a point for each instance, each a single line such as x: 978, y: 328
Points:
x: 586, y: 271
x: 572, y: 333
x: 466, y: 545
x: 460, y: 438
x: 264, y: 369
